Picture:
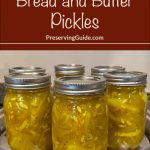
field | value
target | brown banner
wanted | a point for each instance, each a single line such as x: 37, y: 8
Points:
x: 74, y: 24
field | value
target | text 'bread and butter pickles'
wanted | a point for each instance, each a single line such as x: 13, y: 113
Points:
x: 75, y: 20
x: 73, y: 3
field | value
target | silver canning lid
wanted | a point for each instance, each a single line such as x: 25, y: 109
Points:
x: 80, y: 85
x: 27, y: 80
x: 130, y: 78
x: 101, y: 70
x: 69, y: 69
x: 29, y: 69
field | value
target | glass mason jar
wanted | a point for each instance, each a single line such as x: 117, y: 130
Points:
x: 101, y: 70
x: 69, y: 70
x: 28, y: 69
x: 79, y: 114
x: 127, y: 100
x: 27, y: 109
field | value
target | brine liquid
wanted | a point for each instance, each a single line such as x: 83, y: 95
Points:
x: 79, y: 123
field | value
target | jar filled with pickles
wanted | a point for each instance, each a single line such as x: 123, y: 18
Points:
x: 27, y: 109
x: 127, y: 101
x: 62, y: 70
x: 101, y: 70
x: 79, y: 114
x: 27, y: 69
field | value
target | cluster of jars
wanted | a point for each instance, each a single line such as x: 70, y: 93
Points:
x: 106, y: 110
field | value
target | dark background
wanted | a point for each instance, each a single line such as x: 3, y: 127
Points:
x: 118, y: 25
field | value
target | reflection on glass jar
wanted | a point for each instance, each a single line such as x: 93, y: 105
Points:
x: 79, y: 114
x: 127, y: 99
x: 27, y: 108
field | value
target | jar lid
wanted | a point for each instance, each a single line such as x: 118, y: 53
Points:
x: 80, y: 85
x: 101, y: 70
x: 71, y: 69
x: 26, y: 69
x: 27, y: 80
x: 126, y: 78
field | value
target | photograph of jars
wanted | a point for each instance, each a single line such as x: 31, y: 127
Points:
x: 106, y: 110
